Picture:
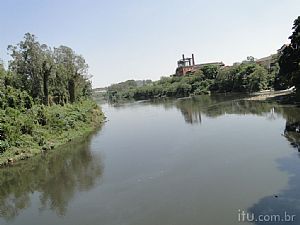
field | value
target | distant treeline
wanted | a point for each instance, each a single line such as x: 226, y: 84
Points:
x: 249, y: 76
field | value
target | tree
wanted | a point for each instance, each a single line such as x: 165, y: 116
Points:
x: 27, y: 63
x: 258, y: 79
x: 46, y: 74
x: 47, y: 69
x: 72, y: 74
x: 59, y: 75
x: 250, y: 59
x: 210, y: 71
x: 224, y: 80
x: 289, y: 60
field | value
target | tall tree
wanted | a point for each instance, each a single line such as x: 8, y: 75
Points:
x: 73, y: 69
x: 47, y: 69
x: 27, y: 62
x: 289, y: 60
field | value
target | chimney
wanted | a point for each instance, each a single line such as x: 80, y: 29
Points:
x: 183, y: 57
x: 193, y: 59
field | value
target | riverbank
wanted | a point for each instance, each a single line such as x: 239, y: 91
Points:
x: 40, y: 129
x: 287, y: 96
x: 266, y: 94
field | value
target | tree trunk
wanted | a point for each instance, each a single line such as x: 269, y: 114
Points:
x: 36, y: 88
x: 46, y: 89
x: 71, y: 89
x: 47, y: 72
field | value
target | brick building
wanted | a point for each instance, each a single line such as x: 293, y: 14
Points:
x: 187, y: 65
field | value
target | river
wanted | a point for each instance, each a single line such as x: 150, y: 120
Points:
x: 194, y: 161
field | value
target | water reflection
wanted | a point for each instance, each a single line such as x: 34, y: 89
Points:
x: 288, y: 200
x: 54, y: 178
x: 193, y: 109
x: 292, y: 127
x: 138, y: 179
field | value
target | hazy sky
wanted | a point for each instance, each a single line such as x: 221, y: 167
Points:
x: 143, y: 39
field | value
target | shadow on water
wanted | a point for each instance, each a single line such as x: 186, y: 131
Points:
x: 54, y: 177
x: 193, y: 109
x: 287, y: 202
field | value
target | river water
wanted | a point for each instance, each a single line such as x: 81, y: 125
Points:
x: 195, y: 161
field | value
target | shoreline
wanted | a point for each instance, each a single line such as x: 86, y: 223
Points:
x: 13, y: 155
x: 14, y: 161
x: 264, y: 95
x: 11, y: 161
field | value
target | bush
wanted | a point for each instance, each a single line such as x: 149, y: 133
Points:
x: 37, y: 125
x: 3, y: 146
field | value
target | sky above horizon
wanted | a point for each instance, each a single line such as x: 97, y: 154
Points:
x: 139, y: 39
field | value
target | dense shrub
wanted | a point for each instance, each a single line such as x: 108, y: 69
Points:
x: 29, y: 127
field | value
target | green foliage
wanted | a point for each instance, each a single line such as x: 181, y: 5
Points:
x: 257, y: 80
x: 42, y: 125
x: 14, y: 98
x: 115, y: 92
x: 3, y: 146
x: 35, y: 97
x: 210, y: 71
x: 245, y: 77
x: 202, y: 87
x: 289, y: 61
x: 49, y: 76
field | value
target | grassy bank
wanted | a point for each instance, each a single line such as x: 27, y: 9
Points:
x: 25, y: 133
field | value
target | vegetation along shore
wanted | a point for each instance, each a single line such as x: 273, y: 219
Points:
x: 277, y: 72
x: 45, y: 100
